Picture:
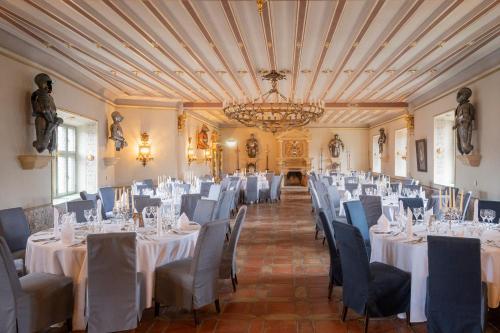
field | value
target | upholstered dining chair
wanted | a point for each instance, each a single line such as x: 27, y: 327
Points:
x: 251, y: 190
x: 412, y: 203
x: 107, y: 195
x: 350, y: 187
x: 411, y: 187
x: 33, y: 302
x: 228, y: 268
x: 316, y: 203
x: 371, y: 289
x: 355, y: 215
x: 14, y: 228
x: 456, y: 298
x: 493, y: 205
x: 364, y: 187
x: 115, y: 290
x: 149, y: 183
x: 395, y: 187
x: 223, y: 207
x: 274, y: 188
x: 143, y: 201
x: 204, y: 211
x: 188, y: 204
x: 214, y: 192
x: 205, y: 188
x: 191, y: 283
x: 89, y: 196
x: 372, y: 204
x: 79, y: 207
x: 334, y: 196
x: 335, y: 272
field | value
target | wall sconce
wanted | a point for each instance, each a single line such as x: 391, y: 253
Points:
x: 144, y: 154
x: 191, y: 156
x: 208, y: 155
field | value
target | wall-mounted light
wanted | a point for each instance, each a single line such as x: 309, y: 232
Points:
x: 144, y: 154
x: 90, y: 157
x: 231, y: 143
x: 191, y: 156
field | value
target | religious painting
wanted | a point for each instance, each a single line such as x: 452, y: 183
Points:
x: 421, y: 146
x: 203, y: 138
x: 294, y: 149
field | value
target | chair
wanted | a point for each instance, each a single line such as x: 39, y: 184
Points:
x: 143, y: 188
x: 279, y: 187
x: 493, y: 205
x: 355, y: 215
x: 251, y: 190
x: 351, y: 187
x: 223, y: 207
x: 412, y: 187
x: 205, y: 188
x: 411, y: 203
x: 371, y: 289
x: 274, y: 188
x: 204, y: 211
x: 89, y: 196
x: 214, y: 192
x: 395, y: 187
x: 192, y: 283
x: 228, y: 267
x: 316, y: 208
x: 78, y: 207
x: 456, y: 297
x: 334, y: 195
x: 14, y: 228
x: 335, y: 265
x: 149, y: 183
x: 364, y: 187
x: 141, y: 202
x: 372, y: 204
x: 188, y: 204
x: 33, y: 302
x: 115, y: 291
x: 107, y: 195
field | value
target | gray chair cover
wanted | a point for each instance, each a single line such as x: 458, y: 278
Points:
x: 223, y: 207
x: 334, y: 195
x: 149, y: 183
x: 89, y: 196
x: 192, y: 283
x: 372, y: 205
x: 107, y: 195
x: 224, y: 184
x: 188, y: 204
x: 251, y: 191
x: 274, y: 188
x: 335, y: 263
x: 205, y: 188
x: 395, y: 187
x: 351, y: 187
x: 374, y: 289
x: 366, y: 186
x: 185, y: 187
x: 269, y: 177
x: 214, y: 192
x: 456, y: 297
x: 34, y: 302
x: 412, y: 187
x: 78, y: 207
x: 412, y: 203
x: 228, y: 268
x: 279, y: 187
x: 15, y: 229
x: 204, y: 211
x: 115, y: 291
x: 141, y: 202
x: 143, y: 188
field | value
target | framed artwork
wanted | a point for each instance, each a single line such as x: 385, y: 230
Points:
x: 421, y: 150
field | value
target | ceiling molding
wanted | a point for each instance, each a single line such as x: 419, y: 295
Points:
x: 300, y: 27
x: 267, y: 29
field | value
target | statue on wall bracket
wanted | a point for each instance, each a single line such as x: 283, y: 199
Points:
x: 335, y: 146
x: 464, y: 121
x: 116, y: 131
x: 252, y: 146
x: 45, y: 113
x: 382, y: 139
x: 203, y: 138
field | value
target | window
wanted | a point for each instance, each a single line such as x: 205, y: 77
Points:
x: 444, y: 149
x: 376, y: 162
x: 66, y: 161
x: 401, y: 152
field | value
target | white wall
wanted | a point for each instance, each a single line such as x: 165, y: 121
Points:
x: 29, y: 188
x: 486, y: 99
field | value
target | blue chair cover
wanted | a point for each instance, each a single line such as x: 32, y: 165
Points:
x: 188, y: 204
x: 355, y: 215
x: 335, y: 264
x: 251, y: 191
x: 107, y: 195
x: 456, y: 299
x: 205, y: 188
x: 493, y: 205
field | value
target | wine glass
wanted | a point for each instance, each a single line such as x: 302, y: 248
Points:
x: 482, y: 214
x: 491, y: 214
x: 417, y: 212
x: 88, y: 215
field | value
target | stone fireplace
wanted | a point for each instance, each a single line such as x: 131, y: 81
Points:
x: 293, y: 156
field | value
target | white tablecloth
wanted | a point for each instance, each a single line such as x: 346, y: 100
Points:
x: 56, y: 258
x: 412, y: 258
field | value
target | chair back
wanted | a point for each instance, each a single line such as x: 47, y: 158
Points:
x: 112, y: 282
x: 412, y: 203
x: 364, y: 187
x: 142, y: 201
x: 206, y: 261
x: 251, y: 191
x: 454, y: 302
x: 89, y: 196
x: 205, y: 188
x: 327, y: 180
x: 355, y: 266
x: 10, y: 290
x: 224, y: 184
x: 355, y: 215
x: 148, y: 183
x: 327, y: 208
x: 107, y: 195
x: 142, y: 189
x: 224, y: 206
x: 412, y: 187
x: 493, y: 205
x: 188, y: 204
x: 78, y: 207
x: 14, y: 228
x: 395, y: 187
x: 350, y: 187
x: 204, y: 211
x: 269, y: 177
x: 274, y: 187
x: 351, y: 180
x: 372, y: 204
x: 334, y: 195
x: 214, y: 192
x: 335, y: 266
x: 235, y: 236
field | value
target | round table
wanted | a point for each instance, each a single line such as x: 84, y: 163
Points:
x: 396, y: 250
x: 51, y: 256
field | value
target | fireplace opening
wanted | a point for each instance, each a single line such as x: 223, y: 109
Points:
x: 294, y: 178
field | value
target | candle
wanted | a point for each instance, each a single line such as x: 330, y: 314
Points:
x: 461, y: 201
x: 116, y: 194
x: 440, y: 200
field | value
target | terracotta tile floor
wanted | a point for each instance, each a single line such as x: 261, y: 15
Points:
x: 283, y: 281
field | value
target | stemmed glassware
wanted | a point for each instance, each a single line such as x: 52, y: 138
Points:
x: 418, y: 212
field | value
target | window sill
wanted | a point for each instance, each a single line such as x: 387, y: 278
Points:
x: 61, y: 200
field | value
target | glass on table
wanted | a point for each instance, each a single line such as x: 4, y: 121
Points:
x: 87, y: 214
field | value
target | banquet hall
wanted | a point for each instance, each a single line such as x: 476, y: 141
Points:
x: 265, y: 166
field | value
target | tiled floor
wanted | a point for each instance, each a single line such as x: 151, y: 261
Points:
x: 283, y: 282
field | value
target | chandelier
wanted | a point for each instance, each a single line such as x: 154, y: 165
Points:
x: 272, y: 111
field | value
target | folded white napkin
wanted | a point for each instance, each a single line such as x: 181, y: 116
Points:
x: 347, y: 195
x: 383, y: 223
x: 56, y: 222
x: 185, y: 224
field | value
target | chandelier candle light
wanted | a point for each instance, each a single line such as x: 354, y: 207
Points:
x: 272, y: 111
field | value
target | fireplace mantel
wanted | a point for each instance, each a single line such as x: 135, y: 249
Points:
x: 293, y: 154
